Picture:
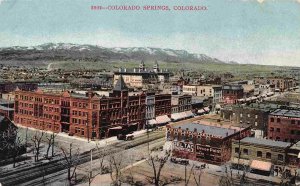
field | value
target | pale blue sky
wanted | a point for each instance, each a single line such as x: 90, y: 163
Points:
x: 245, y: 31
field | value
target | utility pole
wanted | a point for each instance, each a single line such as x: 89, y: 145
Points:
x: 87, y: 127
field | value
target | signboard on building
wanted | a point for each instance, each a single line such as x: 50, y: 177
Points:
x: 184, y: 146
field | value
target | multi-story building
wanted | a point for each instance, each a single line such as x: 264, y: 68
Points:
x: 181, y: 103
x: 231, y: 93
x: 284, y: 125
x: 87, y: 115
x: 260, y: 154
x: 255, y: 115
x: 138, y: 77
x: 280, y: 83
x: 204, y: 142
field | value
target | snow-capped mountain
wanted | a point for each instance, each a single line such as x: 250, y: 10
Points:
x: 67, y: 51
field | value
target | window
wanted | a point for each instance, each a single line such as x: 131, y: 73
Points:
x: 255, y: 124
x: 241, y: 115
x: 272, y: 119
x: 256, y: 116
x: 236, y: 150
x: 292, y: 132
x: 277, y: 138
x: 277, y: 129
x: 245, y: 151
x: 271, y: 129
x: 278, y: 120
x: 293, y: 122
x: 280, y: 157
x: 268, y: 155
x: 259, y: 154
x: 248, y: 115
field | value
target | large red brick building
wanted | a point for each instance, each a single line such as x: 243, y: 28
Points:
x: 205, y: 143
x: 89, y: 115
x: 284, y: 125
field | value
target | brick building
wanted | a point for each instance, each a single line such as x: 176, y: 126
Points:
x: 87, y: 115
x: 260, y: 154
x: 231, y: 93
x: 284, y: 125
x: 255, y: 115
x: 204, y: 142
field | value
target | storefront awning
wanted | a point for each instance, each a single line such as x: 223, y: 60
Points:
x: 162, y: 119
x: 206, y: 109
x: 201, y: 111
x: 177, y: 116
x: 151, y: 122
x: 261, y: 165
x: 188, y: 114
x: 241, y: 161
x: 116, y: 128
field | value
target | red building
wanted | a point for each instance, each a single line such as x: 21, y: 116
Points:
x: 231, y: 93
x: 89, y: 115
x: 205, y: 143
x: 284, y: 125
x: 163, y: 104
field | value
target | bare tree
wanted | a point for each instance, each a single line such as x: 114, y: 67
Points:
x: 115, y: 165
x: 101, y: 152
x: 157, y: 162
x: 197, y: 176
x: 187, y: 178
x: 71, y: 161
x: 37, y: 139
x: 50, y: 141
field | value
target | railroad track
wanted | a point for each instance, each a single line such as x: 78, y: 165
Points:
x: 24, y: 175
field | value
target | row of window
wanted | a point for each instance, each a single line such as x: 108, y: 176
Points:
x: 259, y: 154
x: 278, y: 120
x: 79, y: 121
x: 79, y: 113
x: 249, y: 115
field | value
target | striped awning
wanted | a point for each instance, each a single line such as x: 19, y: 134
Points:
x: 162, y: 119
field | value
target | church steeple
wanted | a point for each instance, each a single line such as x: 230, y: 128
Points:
x: 142, y: 66
x: 156, y: 66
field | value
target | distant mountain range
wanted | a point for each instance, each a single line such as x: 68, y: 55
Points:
x: 65, y: 51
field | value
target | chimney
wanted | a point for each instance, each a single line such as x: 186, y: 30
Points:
x: 186, y: 129
x: 120, y: 69
x: 203, y: 131
x: 226, y: 134
x: 195, y: 130
x: 134, y: 70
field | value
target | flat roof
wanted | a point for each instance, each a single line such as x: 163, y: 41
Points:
x: 213, y: 130
x: 266, y: 142
x: 287, y: 113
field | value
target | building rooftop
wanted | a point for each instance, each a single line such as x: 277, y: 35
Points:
x: 232, y: 87
x: 266, y: 142
x: 213, y: 130
x: 287, y: 113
